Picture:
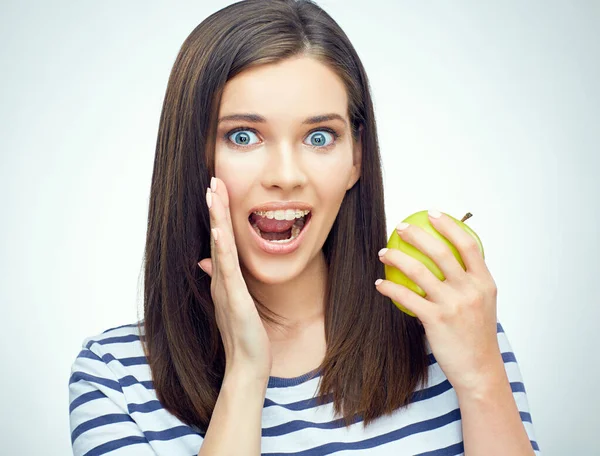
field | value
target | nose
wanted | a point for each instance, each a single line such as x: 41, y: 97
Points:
x: 284, y: 168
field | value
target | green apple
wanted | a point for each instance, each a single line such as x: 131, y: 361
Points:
x: 421, y: 219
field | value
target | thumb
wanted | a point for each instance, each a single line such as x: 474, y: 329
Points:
x: 206, y: 265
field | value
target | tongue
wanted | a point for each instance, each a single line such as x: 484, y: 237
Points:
x: 267, y: 225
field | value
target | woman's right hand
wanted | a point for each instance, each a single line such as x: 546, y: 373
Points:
x: 247, y: 345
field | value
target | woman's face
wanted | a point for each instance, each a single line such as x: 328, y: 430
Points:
x: 284, y: 159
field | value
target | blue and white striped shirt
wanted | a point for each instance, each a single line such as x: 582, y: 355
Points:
x: 114, y: 410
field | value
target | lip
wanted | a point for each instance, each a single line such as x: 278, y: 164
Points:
x: 280, y: 249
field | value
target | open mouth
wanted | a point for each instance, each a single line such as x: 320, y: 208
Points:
x: 279, y: 231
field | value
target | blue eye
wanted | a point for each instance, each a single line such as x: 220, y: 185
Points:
x: 241, y: 135
x: 319, y: 139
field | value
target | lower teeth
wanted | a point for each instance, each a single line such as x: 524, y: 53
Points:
x: 295, y: 233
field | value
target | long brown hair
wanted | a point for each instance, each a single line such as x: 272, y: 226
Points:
x: 376, y: 355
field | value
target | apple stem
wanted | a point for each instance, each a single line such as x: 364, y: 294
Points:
x: 467, y: 216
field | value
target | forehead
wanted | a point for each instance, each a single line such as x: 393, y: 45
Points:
x: 293, y: 88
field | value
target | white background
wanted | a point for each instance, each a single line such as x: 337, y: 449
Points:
x: 487, y: 107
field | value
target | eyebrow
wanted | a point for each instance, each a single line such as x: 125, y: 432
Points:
x: 260, y: 119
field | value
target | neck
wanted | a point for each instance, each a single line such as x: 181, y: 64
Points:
x: 300, y: 300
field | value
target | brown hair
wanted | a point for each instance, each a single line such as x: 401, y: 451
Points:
x: 376, y: 355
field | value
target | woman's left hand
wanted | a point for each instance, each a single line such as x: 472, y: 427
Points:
x: 459, y: 313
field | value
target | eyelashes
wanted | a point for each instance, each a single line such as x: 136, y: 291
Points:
x: 227, y: 137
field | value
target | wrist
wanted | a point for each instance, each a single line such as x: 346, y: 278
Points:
x: 489, y: 380
x: 241, y: 377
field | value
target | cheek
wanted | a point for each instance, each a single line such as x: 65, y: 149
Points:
x: 330, y: 185
x: 333, y: 175
x: 238, y: 183
x: 234, y: 175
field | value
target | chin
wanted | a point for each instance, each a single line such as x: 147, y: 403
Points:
x: 274, y: 273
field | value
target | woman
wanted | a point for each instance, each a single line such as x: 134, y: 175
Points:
x: 284, y: 344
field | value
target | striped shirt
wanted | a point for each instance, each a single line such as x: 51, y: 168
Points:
x: 114, y: 410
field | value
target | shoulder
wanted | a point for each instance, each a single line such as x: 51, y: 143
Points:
x: 116, y: 339
x: 113, y: 354
x: 112, y: 402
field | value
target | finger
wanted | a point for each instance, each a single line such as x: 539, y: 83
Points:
x: 435, y: 249
x: 212, y: 226
x: 415, y: 271
x: 220, y: 193
x: 421, y: 307
x: 206, y: 266
x: 218, y: 186
x: 222, y: 222
x: 465, y: 243
x: 223, y: 250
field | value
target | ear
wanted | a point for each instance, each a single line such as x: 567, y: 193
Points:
x: 356, y: 160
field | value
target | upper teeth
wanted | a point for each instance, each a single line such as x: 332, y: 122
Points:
x: 288, y: 214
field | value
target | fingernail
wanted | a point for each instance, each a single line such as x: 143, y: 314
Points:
x: 435, y: 214
x: 378, y: 281
x: 382, y: 252
x: 201, y: 267
x: 213, y: 184
x: 402, y: 226
x: 214, y: 233
x: 208, y: 198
